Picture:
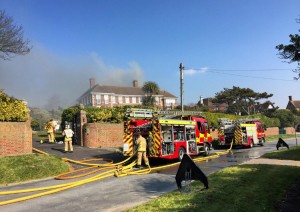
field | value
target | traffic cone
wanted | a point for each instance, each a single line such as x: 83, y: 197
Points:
x: 41, y: 141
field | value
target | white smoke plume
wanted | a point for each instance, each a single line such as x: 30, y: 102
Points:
x: 48, y: 81
x: 192, y: 72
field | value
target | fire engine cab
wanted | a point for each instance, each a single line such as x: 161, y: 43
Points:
x: 169, y: 134
x: 243, y: 132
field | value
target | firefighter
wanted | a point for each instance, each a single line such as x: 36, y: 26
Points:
x: 68, y: 133
x: 50, y: 130
x: 142, y: 146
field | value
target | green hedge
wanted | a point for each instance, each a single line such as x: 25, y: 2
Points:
x: 116, y: 115
x: 213, y: 118
x: 12, y: 109
x: 98, y: 114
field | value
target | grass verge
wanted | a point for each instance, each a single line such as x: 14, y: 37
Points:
x: 29, y: 167
x: 276, y: 137
x: 237, y: 188
x: 287, y: 154
x: 44, y: 135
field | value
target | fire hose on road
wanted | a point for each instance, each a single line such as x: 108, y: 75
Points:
x: 120, y: 169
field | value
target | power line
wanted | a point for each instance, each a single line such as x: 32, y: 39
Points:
x: 241, y: 70
x: 221, y: 71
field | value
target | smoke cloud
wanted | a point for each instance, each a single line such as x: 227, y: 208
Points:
x: 47, y: 81
x: 192, y: 72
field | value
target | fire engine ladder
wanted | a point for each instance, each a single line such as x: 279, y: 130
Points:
x: 172, y: 113
x: 139, y: 113
x: 225, y: 121
x: 148, y: 113
x: 248, y: 120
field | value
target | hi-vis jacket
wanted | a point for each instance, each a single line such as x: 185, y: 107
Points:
x: 49, y: 127
x: 141, y: 142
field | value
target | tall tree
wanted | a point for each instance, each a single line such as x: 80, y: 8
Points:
x: 11, y: 38
x: 40, y: 117
x: 291, y: 51
x: 286, y: 117
x: 240, y: 100
x: 150, y: 89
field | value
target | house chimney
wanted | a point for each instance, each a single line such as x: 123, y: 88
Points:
x: 290, y: 98
x: 201, y: 100
x: 92, y: 82
x: 135, y: 83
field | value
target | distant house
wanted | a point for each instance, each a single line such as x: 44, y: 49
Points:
x: 217, y: 107
x: 261, y: 108
x: 293, y: 105
x: 111, y: 96
x: 212, y: 107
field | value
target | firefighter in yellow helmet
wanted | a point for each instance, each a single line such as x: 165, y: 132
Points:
x: 142, y: 147
x: 50, y: 130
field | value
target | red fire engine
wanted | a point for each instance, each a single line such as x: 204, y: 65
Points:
x: 169, y: 134
x: 244, y: 132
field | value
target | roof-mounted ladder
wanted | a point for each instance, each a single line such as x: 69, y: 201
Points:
x: 148, y: 113
x: 248, y: 120
x: 139, y: 113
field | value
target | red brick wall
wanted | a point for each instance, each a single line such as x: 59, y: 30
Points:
x: 98, y: 135
x: 15, y: 138
x: 289, y: 130
x: 214, y: 134
x: 272, y: 131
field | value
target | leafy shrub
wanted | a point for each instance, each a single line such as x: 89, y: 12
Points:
x: 117, y: 114
x: 213, y: 118
x: 12, y: 109
x: 286, y: 117
x: 269, y: 122
x: 68, y: 115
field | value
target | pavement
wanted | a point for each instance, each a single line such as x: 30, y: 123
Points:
x: 273, y: 162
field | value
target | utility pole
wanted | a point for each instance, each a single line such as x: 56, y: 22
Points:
x: 181, y: 85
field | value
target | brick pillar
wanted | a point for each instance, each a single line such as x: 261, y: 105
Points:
x: 80, y: 121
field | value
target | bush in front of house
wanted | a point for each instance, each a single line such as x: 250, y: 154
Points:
x: 12, y: 109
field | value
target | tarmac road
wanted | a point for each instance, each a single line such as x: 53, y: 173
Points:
x: 114, y: 194
x: 110, y: 194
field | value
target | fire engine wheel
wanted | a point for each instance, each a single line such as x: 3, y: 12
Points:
x: 251, y: 144
x: 262, y: 141
x: 206, y: 149
x: 181, y: 152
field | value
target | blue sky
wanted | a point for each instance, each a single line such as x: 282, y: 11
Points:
x: 117, y: 41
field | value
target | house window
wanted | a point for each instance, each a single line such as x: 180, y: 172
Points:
x: 127, y: 100
x: 98, y: 99
x: 113, y: 100
x: 133, y: 99
x: 93, y: 100
x: 170, y: 102
x: 120, y: 100
x: 106, y: 99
